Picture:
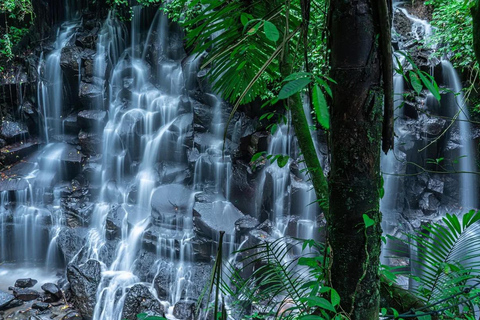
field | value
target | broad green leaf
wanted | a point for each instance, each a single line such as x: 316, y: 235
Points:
x: 321, y: 108
x: 282, y: 161
x: 271, y: 32
x: 319, y: 302
x: 244, y: 19
x: 293, y: 87
x: 368, y: 221
x: 430, y: 86
x: 325, y: 86
x: 310, y: 317
x: 415, y: 81
x: 273, y: 129
x: 335, y: 297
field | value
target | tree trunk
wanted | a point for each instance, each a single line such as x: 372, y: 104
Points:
x: 356, y: 126
x: 476, y: 29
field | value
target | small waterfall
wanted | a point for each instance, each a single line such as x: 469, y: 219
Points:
x: 467, y: 153
x: 31, y: 214
x: 50, y: 87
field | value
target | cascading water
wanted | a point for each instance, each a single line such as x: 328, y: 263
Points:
x: 136, y: 177
x: 467, y: 163
x: 31, y: 212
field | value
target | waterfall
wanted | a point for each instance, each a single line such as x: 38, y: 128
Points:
x: 467, y: 153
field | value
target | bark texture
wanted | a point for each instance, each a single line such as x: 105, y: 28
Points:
x: 476, y: 29
x: 356, y: 126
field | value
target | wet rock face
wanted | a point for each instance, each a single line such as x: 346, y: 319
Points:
x: 139, y: 299
x: 13, y: 132
x: 5, y: 299
x: 184, y: 310
x: 170, y: 203
x: 84, y: 281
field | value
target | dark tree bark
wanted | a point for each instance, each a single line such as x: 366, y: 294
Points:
x: 356, y: 127
x: 476, y: 29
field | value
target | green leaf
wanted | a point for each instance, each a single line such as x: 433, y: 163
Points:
x: 321, y: 108
x: 142, y: 316
x: 293, y: 87
x: 256, y: 156
x: 254, y: 29
x: 271, y: 32
x: 319, y: 302
x: 381, y: 189
x: 244, y: 19
x: 282, y: 161
x: 335, y: 297
x: 415, y: 81
x: 241, y: 65
x: 273, y: 129
x: 310, y: 317
x: 368, y: 221
x: 430, y: 85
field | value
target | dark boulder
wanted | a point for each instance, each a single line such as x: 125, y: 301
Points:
x: 139, y: 299
x: 184, y: 310
x: 53, y: 290
x: 41, y: 306
x: 25, y: 294
x: 25, y: 283
x: 84, y: 281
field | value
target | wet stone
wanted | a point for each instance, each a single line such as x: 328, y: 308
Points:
x: 25, y: 294
x: 84, y: 281
x: 52, y: 289
x: 139, y: 299
x: 25, y: 283
x: 42, y: 306
x: 5, y: 299
x: 13, y: 131
x: 184, y: 310
x: 91, y: 119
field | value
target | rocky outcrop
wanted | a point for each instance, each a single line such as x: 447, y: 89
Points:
x: 138, y: 300
x: 84, y: 281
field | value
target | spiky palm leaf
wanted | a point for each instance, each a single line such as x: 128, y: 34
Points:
x: 279, y: 284
x: 238, y: 48
x: 447, y: 255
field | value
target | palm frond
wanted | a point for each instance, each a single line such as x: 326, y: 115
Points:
x: 447, y: 256
x: 239, y: 50
x: 277, y: 284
